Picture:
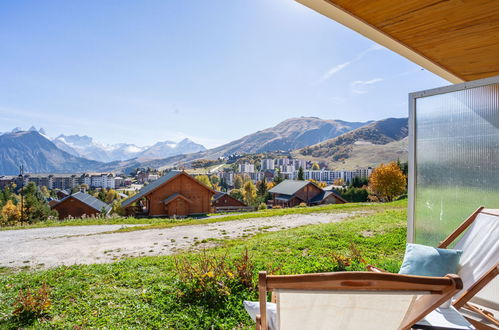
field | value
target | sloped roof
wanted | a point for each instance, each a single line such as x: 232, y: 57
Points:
x: 289, y: 187
x: 320, y: 197
x: 156, y: 183
x: 286, y: 198
x: 150, y: 187
x: 89, y: 200
x: 175, y: 196
x: 218, y: 194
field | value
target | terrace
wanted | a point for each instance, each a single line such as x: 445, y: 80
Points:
x: 454, y: 130
x: 454, y: 161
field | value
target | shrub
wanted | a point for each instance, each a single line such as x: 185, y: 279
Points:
x: 210, y: 279
x: 302, y: 205
x: 262, y: 206
x: 354, y: 260
x: 277, y: 207
x: 29, y: 306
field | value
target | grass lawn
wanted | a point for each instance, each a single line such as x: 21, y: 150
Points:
x: 155, y: 223
x: 148, y: 292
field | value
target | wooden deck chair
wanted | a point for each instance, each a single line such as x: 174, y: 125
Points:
x: 352, y: 300
x: 478, y: 237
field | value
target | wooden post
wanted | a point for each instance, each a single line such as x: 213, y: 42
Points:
x: 262, y: 298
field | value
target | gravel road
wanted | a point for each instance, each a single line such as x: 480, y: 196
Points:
x: 53, y: 246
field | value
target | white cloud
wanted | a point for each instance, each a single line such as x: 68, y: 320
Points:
x: 359, y: 86
x: 337, y: 68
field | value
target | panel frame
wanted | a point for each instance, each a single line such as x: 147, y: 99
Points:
x: 412, y: 179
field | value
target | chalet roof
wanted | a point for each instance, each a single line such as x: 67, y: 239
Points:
x: 156, y: 183
x: 174, y: 197
x: 320, y: 197
x: 150, y: 187
x: 289, y: 187
x: 89, y: 200
x: 286, y: 198
x: 218, y: 195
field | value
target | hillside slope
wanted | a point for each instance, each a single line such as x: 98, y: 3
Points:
x: 377, y: 142
x: 288, y: 135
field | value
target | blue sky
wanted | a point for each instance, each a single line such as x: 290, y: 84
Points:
x: 146, y: 71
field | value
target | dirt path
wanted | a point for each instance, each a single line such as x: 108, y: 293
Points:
x: 53, y: 246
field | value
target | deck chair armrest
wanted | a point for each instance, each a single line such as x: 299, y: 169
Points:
x: 375, y: 269
x: 258, y: 322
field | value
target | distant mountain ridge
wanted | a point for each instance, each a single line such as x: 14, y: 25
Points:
x: 288, y: 135
x: 38, y: 155
x: 85, y: 146
x: 339, y: 143
x: 368, y: 140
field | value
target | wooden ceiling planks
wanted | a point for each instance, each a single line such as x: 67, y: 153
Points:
x: 460, y: 36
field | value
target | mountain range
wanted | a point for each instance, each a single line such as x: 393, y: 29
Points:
x: 85, y: 146
x: 38, y: 155
x: 335, y: 142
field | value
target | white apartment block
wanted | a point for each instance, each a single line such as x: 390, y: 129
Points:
x: 246, y: 168
x: 330, y: 176
x: 283, y: 161
x: 268, y: 164
x: 300, y: 163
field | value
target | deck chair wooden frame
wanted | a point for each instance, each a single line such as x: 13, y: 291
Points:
x: 438, y: 289
x: 463, y: 299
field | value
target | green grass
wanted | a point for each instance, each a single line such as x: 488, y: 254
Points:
x: 332, y: 208
x: 144, y: 292
x: 155, y: 223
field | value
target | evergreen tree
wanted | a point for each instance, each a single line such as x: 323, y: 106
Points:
x: 301, y: 175
x: 262, y: 187
x: 35, y: 206
x: 278, y: 178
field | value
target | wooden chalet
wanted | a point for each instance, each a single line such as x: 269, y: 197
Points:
x: 222, y: 199
x: 291, y: 193
x: 223, y: 202
x: 61, y: 194
x: 80, y: 204
x: 174, y: 194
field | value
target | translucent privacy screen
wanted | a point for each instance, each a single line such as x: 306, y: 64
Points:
x: 453, y: 157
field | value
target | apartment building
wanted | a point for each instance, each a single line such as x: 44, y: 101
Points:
x: 268, y: 164
x: 246, y: 168
x: 331, y: 176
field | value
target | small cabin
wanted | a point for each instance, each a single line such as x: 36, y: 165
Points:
x: 174, y: 194
x: 80, y: 204
x: 222, y: 199
x: 290, y: 193
x: 223, y: 202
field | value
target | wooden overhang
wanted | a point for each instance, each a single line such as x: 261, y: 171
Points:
x: 455, y: 39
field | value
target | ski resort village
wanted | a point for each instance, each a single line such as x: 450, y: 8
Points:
x: 251, y: 164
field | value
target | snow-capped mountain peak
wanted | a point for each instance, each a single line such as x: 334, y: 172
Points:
x: 85, y: 146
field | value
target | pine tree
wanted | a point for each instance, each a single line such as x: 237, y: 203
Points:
x: 301, y: 175
x: 278, y: 178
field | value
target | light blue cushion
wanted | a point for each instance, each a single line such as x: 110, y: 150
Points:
x: 429, y: 261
